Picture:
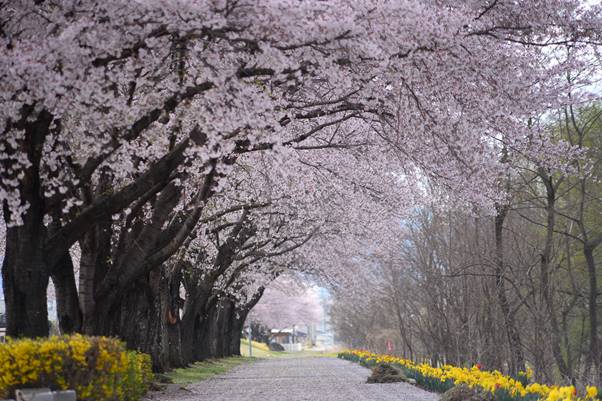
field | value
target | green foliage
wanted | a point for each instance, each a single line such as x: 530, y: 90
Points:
x: 139, y: 375
x: 203, y: 370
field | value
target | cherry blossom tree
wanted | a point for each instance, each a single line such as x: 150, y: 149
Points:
x: 203, y: 143
x: 284, y: 304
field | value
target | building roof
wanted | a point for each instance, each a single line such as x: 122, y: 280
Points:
x: 288, y: 331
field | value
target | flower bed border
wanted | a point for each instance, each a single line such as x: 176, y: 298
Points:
x: 441, y: 379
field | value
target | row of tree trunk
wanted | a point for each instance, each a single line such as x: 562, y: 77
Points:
x: 152, y: 318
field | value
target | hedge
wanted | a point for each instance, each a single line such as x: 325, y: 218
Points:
x: 97, y: 368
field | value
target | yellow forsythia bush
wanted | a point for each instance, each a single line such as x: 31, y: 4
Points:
x: 97, y: 368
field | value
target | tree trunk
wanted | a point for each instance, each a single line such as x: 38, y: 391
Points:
x: 141, y: 321
x: 205, y: 335
x: 517, y: 359
x: 94, y: 263
x: 25, y: 280
x: 69, y: 313
x: 225, y: 316
x: 188, y: 331
x: 213, y: 332
x: 594, y: 341
x: 24, y: 269
x: 545, y: 282
x: 191, y: 326
x: 221, y: 334
x: 403, y: 333
x: 174, y: 337
x: 238, y: 321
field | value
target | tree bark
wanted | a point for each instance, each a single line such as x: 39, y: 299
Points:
x: 67, y: 300
x: 222, y: 337
x: 174, y: 335
x: 24, y: 268
x: 95, y: 262
x: 191, y: 326
x: 141, y: 319
x: 25, y: 280
x: 205, y: 344
x: 545, y: 283
x: 238, y: 321
x: 594, y: 340
x: 517, y: 358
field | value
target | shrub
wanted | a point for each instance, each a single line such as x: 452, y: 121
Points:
x: 464, y: 393
x: 97, y: 368
x: 385, y: 373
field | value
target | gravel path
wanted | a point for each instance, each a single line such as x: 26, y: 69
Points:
x: 297, y: 379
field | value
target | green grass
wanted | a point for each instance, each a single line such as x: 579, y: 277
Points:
x: 206, y: 369
x: 261, y: 350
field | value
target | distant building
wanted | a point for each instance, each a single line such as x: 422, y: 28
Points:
x: 287, y: 336
x: 292, y: 339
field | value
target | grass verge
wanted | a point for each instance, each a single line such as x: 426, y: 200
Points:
x: 205, y: 369
x: 260, y: 350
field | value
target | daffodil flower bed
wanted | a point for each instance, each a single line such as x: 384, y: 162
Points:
x: 503, y: 388
x: 97, y: 368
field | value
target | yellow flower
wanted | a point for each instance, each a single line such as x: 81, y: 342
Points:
x: 97, y: 368
x: 591, y: 392
x: 490, y: 381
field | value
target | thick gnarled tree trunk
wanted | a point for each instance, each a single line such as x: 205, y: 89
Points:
x: 24, y: 269
x: 25, y: 280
